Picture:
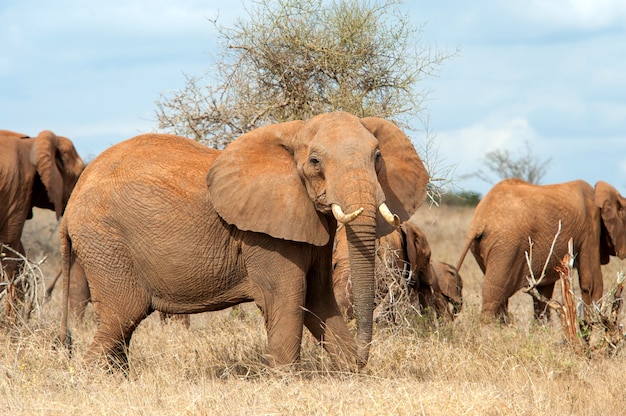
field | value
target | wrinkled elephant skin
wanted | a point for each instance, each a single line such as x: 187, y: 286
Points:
x: 514, y: 211
x: 161, y: 223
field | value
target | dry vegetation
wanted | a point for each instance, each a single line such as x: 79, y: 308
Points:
x: 216, y: 367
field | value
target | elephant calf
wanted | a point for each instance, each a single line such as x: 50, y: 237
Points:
x: 403, y: 261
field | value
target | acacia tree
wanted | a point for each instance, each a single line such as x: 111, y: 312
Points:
x: 293, y: 59
x: 501, y: 164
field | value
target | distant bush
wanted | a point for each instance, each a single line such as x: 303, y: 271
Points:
x: 464, y: 198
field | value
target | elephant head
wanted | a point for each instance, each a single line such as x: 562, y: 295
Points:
x: 58, y: 166
x: 295, y: 180
x: 613, y: 213
x: 436, y: 284
x: 36, y: 172
x: 404, y: 254
x: 450, y: 283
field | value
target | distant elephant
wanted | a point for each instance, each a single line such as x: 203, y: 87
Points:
x: 34, y: 172
x: 403, y: 254
x: 514, y: 210
x: 151, y: 233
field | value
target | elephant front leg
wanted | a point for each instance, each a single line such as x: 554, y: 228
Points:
x: 334, y: 335
x: 280, y: 297
x: 325, y: 321
x: 284, y: 332
x: 590, y: 277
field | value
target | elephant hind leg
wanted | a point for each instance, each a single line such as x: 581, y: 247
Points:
x: 495, y: 302
x: 79, y: 292
x: 541, y: 309
x: 109, y: 348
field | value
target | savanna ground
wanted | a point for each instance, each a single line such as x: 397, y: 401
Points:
x: 216, y: 367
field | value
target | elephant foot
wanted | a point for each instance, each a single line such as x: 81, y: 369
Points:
x: 183, y: 319
x: 501, y: 318
x: 113, y: 361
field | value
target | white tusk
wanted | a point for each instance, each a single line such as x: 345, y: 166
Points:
x: 345, y: 218
x: 392, y: 219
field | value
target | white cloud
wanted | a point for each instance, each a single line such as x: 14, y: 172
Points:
x: 75, y: 32
x: 474, y: 141
x: 546, y: 71
x: 585, y: 14
x: 466, y: 147
x: 131, y: 16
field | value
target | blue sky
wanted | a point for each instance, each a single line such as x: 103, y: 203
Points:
x: 550, y: 73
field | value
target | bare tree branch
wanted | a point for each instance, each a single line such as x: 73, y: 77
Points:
x: 582, y: 324
x: 533, y: 282
x: 22, y: 293
x: 501, y: 164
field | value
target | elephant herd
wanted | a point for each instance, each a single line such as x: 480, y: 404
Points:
x: 297, y: 217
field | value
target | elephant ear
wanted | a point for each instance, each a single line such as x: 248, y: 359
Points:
x: 613, y: 211
x: 43, y: 155
x: 418, y: 252
x: 402, y: 176
x: 449, y: 280
x: 255, y: 186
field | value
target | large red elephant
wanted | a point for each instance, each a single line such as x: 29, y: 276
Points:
x: 153, y: 234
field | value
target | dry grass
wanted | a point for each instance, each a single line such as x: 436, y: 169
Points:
x: 216, y: 367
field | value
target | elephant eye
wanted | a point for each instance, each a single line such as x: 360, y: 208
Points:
x: 314, y: 161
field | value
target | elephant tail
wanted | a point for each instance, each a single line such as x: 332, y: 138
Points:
x: 65, y: 337
x: 52, y: 284
x: 468, y: 243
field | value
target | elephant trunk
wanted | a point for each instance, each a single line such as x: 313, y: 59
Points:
x: 361, y: 238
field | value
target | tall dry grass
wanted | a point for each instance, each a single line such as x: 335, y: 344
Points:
x: 217, y: 367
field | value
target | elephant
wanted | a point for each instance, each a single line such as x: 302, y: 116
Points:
x: 403, y: 254
x: 34, y: 172
x: 514, y: 211
x: 161, y: 223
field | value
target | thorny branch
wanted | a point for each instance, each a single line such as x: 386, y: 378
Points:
x: 533, y: 283
x: 582, y: 325
x: 20, y: 293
